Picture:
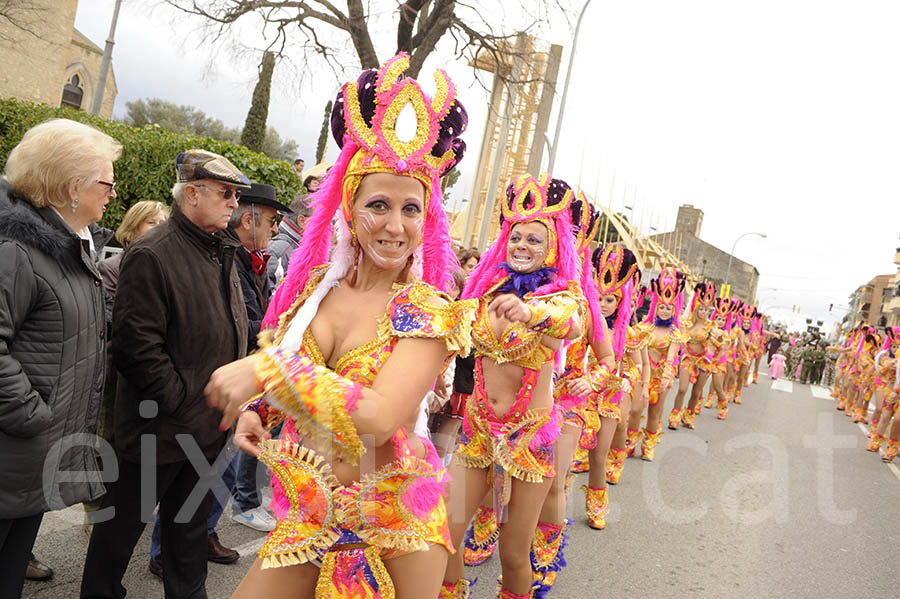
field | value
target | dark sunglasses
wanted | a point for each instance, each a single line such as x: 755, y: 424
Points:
x: 226, y: 193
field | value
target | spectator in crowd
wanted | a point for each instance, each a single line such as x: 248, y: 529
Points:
x: 290, y: 232
x: 314, y: 176
x: 179, y: 314
x: 298, y: 166
x: 139, y: 219
x: 57, y: 183
x: 469, y: 260
x: 251, y: 226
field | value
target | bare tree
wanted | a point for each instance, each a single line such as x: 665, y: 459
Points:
x: 323, y: 29
x: 20, y: 15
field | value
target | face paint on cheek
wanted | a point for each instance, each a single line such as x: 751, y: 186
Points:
x: 366, y: 222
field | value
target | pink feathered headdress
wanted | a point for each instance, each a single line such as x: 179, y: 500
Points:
x: 615, y: 269
x: 667, y: 288
x: 585, y: 224
x: 363, y: 122
x: 531, y: 199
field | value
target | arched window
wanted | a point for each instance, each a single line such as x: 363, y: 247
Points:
x: 73, y: 92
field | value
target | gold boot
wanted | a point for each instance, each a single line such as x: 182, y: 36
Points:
x: 596, y: 504
x: 674, y: 419
x: 875, y: 442
x: 615, y: 463
x: 632, y: 440
x: 890, y: 450
x: 648, y: 447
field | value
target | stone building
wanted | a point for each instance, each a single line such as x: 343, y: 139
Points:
x: 52, y: 63
x: 705, y: 259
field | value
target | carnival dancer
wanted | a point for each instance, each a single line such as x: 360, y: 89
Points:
x: 666, y: 303
x: 614, y: 269
x: 758, y: 342
x: 695, y: 359
x: 527, y: 290
x: 588, y: 372
x: 719, y: 352
x: 636, y: 366
x: 843, y: 366
x: 741, y: 343
x: 865, y: 380
x: 885, y: 380
x: 356, y: 346
x: 638, y: 337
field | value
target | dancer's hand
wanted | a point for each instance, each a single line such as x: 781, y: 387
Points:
x: 249, y: 433
x: 665, y: 384
x: 580, y: 387
x: 510, y: 307
x: 230, y: 386
x: 645, y: 396
x: 626, y: 386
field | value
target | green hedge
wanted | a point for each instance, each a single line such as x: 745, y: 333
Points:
x: 146, y: 170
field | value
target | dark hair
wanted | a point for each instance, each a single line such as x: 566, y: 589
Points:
x: 296, y: 160
x: 459, y: 279
x: 468, y: 255
x: 452, y: 125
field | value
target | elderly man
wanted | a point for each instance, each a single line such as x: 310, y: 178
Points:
x: 290, y: 232
x: 179, y: 314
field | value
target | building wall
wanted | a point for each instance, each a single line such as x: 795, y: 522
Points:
x: 711, y: 263
x: 37, y: 66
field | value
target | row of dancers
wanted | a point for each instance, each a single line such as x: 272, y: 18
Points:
x: 867, y: 368
x: 357, y: 334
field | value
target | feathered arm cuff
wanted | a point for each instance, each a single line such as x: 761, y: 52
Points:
x: 319, y: 401
x: 603, y: 379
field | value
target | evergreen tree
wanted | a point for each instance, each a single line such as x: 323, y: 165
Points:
x: 323, y: 134
x: 254, y: 133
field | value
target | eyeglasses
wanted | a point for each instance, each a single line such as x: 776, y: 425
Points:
x: 226, y: 193
x: 110, y: 184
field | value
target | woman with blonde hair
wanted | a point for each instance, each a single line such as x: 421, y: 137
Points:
x: 57, y: 183
x: 139, y: 219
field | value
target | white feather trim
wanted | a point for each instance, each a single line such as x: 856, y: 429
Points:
x: 341, y: 261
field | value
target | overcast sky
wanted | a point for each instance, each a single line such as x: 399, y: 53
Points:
x: 780, y: 117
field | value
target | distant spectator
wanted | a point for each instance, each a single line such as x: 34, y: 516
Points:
x: 469, y: 261
x: 139, y: 219
x: 290, y: 232
x: 179, y: 315
x: 313, y: 177
x: 57, y: 183
x: 298, y: 166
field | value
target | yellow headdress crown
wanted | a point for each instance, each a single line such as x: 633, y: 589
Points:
x: 615, y: 266
x: 538, y: 199
x: 668, y: 285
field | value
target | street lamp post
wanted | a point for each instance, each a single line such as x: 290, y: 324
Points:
x: 104, y: 64
x: 731, y: 255
x: 562, y: 103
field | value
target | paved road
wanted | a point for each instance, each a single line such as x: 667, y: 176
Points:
x: 779, y: 500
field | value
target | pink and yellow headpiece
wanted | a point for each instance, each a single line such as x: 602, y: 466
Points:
x: 704, y: 295
x: 529, y: 199
x: 364, y: 124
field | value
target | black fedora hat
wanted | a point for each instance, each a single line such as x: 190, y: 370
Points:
x: 264, y: 195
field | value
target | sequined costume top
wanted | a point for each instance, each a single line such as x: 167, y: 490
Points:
x: 399, y: 507
x: 520, y: 443
x: 659, y: 368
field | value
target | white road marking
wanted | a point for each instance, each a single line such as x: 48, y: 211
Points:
x: 820, y: 392
x: 891, y: 466
x: 783, y: 385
